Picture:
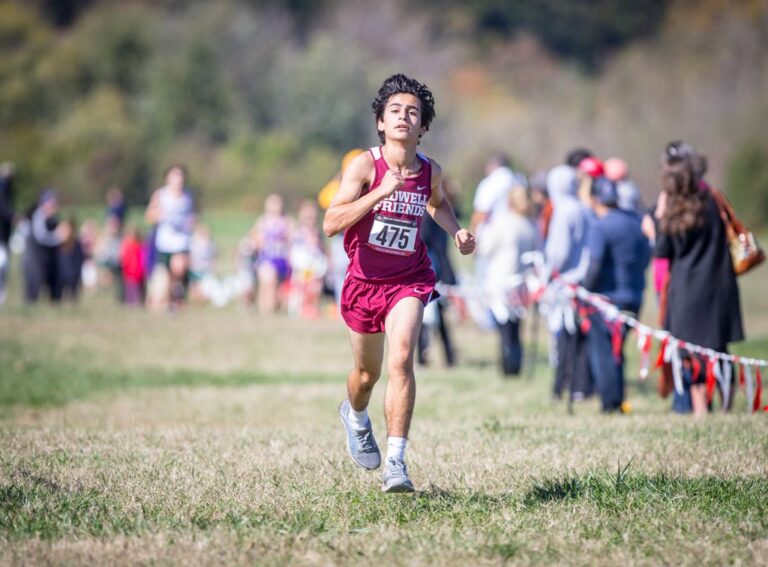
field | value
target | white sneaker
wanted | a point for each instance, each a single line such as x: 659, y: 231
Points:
x: 395, y: 477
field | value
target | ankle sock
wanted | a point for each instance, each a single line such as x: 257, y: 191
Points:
x: 358, y: 419
x: 396, y: 448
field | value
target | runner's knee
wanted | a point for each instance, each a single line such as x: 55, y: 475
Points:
x: 400, y: 360
x: 367, y: 378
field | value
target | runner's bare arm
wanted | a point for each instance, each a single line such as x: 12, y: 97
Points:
x: 348, y: 207
x: 152, y: 214
x: 440, y: 210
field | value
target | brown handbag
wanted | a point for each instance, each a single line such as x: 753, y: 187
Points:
x: 746, y: 252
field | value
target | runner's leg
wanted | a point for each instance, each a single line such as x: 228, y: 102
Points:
x: 402, y: 327
x: 368, y: 354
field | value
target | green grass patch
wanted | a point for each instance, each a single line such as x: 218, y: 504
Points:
x: 33, y: 506
x: 42, y: 378
x: 623, y: 492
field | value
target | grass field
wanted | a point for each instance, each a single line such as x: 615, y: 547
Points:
x: 212, y: 437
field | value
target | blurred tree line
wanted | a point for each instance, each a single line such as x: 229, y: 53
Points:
x: 266, y: 95
x: 94, y: 94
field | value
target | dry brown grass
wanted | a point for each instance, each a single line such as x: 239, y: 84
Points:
x: 258, y: 472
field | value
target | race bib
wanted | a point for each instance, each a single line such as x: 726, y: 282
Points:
x: 393, y: 236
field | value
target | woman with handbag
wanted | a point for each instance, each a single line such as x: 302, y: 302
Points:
x: 703, y: 306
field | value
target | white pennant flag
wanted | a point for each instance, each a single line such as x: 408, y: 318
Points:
x: 749, y: 381
x: 677, y: 366
x: 645, y: 356
x: 727, y: 373
x: 717, y: 369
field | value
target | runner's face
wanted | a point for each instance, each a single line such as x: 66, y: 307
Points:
x: 402, y: 118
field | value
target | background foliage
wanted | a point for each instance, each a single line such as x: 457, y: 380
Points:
x: 266, y: 95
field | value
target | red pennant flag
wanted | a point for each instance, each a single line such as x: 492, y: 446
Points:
x: 646, y: 348
x: 695, y: 367
x: 585, y: 325
x: 710, y: 379
x: 662, y: 349
x: 616, y: 340
x: 758, y: 390
x: 742, y: 380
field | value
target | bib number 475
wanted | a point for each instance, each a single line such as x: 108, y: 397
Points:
x: 393, y: 236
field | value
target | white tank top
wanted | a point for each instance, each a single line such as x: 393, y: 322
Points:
x: 174, y: 231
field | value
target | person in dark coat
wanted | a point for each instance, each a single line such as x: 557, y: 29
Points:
x: 40, y: 261
x: 703, y: 305
x: 71, y: 259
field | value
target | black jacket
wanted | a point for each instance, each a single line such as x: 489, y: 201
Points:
x: 703, y: 303
x: 6, y: 209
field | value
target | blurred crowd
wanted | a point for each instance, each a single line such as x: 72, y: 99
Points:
x: 582, y: 222
x: 280, y: 263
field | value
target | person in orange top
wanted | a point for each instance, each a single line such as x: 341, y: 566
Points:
x: 337, y: 256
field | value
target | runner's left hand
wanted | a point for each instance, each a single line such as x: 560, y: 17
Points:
x: 465, y: 242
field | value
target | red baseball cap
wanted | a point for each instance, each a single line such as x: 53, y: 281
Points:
x: 591, y: 166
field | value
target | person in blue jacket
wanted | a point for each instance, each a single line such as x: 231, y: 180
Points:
x: 618, y: 256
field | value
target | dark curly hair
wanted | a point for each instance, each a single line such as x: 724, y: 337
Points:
x: 681, y: 180
x: 397, y: 84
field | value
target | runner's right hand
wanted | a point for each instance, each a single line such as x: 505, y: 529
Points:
x: 392, y: 181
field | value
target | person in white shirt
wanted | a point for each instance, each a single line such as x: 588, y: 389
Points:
x: 507, y: 237
x: 490, y: 197
x: 492, y: 191
x: 172, y: 209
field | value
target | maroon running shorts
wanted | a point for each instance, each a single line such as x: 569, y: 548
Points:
x: 365, y: 305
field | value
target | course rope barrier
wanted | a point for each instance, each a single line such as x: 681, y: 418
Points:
x: 558, y: 300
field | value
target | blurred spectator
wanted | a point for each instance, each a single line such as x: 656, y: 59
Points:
x: 107, y: 256
x: 245, y: 264
x: 568, y: 228
x: 618, y: 256
x: 703, y: 305
x: 336, y: 255
x: 491, y: 194
x: 507, y: 237
x: 576, y: 156
x: 542, y: 207
x: 308, y: 263
x: 589, y: 168
x: 438, y: 246
x: 116, y: 206
x: 89, y: 235
x: 202, y: 259
x: 158, y: 284
x: 272, y: 233
x: 565, y: 256
x: 172, y: 209
x: 490, y: 197
x: 7, y: 212
x: 71, y: 258
x: 40, y: 261
x: 132, y: 267
x: 628, y: 193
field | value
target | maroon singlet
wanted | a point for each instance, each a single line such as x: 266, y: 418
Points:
x: 385, y: 246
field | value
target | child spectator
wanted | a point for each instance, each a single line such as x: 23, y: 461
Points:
x: 132, y: 265
x: 308, y: 264
x: 107, y: 254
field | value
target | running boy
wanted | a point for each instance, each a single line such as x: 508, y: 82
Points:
x: 383, y: 196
